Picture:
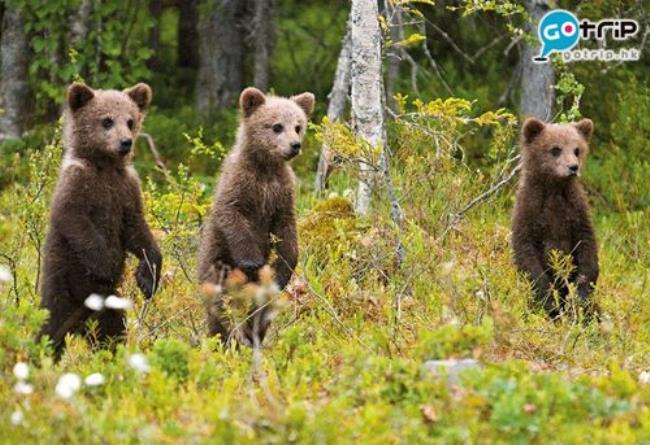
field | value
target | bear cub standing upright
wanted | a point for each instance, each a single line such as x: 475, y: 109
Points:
x: 96, y: 213
x: 551, y: 211
x: 253, y: 208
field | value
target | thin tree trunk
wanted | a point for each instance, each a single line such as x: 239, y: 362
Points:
x: 80, y: 23
x: 220, y: 69
x: 263, y: 37
x: 155, y: 11
x: 394, y: 17
x: 537, y: 79
x: 14, y: 89
x: 188, y: 34
x: 366, y: 83
x: 338, y: 99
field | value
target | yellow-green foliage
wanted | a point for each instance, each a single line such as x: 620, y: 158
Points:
x: 343, y: 362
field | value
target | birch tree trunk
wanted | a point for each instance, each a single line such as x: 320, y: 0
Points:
x: 537, y: 79
x: 394, y: 59
x: 366, y: 85
x: 263, y: 38
x: 13, y: 74
x: 80, y: 22
x: 220, y: 70
x: 338, y: 99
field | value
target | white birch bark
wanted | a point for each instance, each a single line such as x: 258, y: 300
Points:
x: 366, y: 85
x: 338, y: 99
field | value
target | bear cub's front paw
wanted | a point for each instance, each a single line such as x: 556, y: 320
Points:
x: 250, y: 268
x: 146, y: 280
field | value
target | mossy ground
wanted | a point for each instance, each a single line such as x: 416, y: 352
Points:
x: 344, y: 360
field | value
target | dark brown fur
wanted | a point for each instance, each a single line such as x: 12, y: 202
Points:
x: 255, y: 198
x: 551, y: 210
x: 96, y: 213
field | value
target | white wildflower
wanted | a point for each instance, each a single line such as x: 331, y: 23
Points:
x: 448, y: 267
x: 17, y: 417
x: 67, y: 385
x: 21, y: 370
x: 139, y: 362
x: 5, y: 274
x: 94, y: 302
x: 95, y: 379
x: 644, y: 377
x: 115, y: 302
x: 23, y: 388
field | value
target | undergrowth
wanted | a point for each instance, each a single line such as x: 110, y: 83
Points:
x: 344, y: 361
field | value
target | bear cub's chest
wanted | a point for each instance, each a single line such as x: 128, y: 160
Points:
x: 557, y: 223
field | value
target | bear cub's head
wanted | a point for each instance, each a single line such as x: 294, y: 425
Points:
x: 103, y: 124
x: 274, y: 126
x: 555, y: 150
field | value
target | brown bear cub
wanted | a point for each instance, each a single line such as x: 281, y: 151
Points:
x: 96, y: 213
x: 551, y: 212
x: 253, y: 208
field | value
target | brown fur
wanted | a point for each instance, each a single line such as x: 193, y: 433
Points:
x: 255, y: 198
x: 96, y: 213
x: 551, y: 210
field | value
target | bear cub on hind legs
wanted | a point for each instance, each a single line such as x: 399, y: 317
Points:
x: 551, y: 212
x: 253, y: 208
x: 96, y: 213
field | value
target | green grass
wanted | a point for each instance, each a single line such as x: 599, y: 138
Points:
x: 341, y: 364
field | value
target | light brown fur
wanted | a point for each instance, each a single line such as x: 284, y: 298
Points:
x: 254, y: 199
x: 551, y: 210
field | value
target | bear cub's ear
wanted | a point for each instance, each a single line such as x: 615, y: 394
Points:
x: 585, y: 127
x: 79, y: 95
x: 250, y: 100
x: 306, y: 102
x: 141, y: 95
x: 532, y: 128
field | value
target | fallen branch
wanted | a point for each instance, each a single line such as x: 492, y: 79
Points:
x: 154, y: 152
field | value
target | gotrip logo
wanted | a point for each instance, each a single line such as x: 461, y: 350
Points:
x: 560, y: 31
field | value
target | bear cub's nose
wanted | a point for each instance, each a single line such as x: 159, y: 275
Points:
x: 125, y: 146
x: 295, y: 147
x: 574, y: 168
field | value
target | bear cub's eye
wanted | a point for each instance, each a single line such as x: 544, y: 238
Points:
x: 298, y: 129
x: 107, y: 123
x: 556, y: 151
x: 577, y: 151
x: 129, y: 123
x: 277, y: 128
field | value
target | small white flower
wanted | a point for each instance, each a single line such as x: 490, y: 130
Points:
x: 94, y: 302
x: 21, y: 370
x: 23, y: 388
x: 17, y: 417
x: 95, y: 379
x: 139, y: 362
x: 115, y: 302
x: 448, y: 267
x: 5, y: 274
x: 644, y: 377
x: 67, y: 385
